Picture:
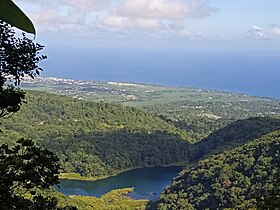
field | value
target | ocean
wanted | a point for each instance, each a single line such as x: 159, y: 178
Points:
x: 248, y: 73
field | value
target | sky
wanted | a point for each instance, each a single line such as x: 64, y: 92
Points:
x: 201, y: 43
x: 157, y: 21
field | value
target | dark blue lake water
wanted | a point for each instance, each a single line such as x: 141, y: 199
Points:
x: 148, y: 183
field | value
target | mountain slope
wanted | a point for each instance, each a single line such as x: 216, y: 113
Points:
x: 229, y: 180
x: 234, y: 134
x: 96, y: 139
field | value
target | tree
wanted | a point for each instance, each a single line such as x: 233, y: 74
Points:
x: 271, y: 199
x: 25, y: 169
x: 19, y: 57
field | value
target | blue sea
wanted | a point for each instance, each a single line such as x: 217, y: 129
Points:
x: 248, y: 73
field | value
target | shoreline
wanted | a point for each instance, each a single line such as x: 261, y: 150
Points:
x: 78, y: 177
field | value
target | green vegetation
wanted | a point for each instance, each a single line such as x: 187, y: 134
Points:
x: 197, y: 111
x: 25, y: 169
x: 208, y: 115
x: 114, y: 200
x: 11, y: 14
x: 234, y: 135
x: 94, y: 140
x: 19, y: 58
x: 232, y: 179
x: 97, y: 139
x: 271, y: 198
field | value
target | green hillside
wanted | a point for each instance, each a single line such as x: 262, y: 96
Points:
x: 234, y: 134
x: 231, y: 179
x: 207, y: 115
x: 198, y: 111
x: 113, y: 200
x: 96, y: 139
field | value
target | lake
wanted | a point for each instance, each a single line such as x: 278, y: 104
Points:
x: 148, y: 183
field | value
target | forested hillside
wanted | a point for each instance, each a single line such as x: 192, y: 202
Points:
x: 113, y: 200
x: 207, y: 115
x: 232, y: 179
x: 198, y: 111
x: 100, y: 139
x: 97, y: 139
x: 233, y: 135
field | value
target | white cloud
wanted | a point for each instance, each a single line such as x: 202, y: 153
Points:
x: 191, y: 35
x: 155, y: 16
x: 148, y: 23
x: 84, y: 5
x: 256, y: 32
x: 275, y: 32
x: 152, y: 9
x: 115, y: 21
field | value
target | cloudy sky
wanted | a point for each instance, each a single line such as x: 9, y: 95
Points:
x: 235, y: 20
x: 221, y: 44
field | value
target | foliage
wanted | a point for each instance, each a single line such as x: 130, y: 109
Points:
x: 199, y: 112
x: 100, y: 139
x: 233, y: 135
x: 19, y: 57
x: 203, y: 117
x: 271, y: 199
x: 89, y: 137
x: 24, y: 169
x: 114, y: 200
x: 227, y: 180
x: 12, y: 14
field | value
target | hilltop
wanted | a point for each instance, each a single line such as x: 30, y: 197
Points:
x: 97, y: 139
x: 199, y: 111
x: 231, y: 180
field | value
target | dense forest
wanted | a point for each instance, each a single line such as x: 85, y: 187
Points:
x: 97, y: 139
x: 206, y: 116
x: 94, y: 140
x: 113, y: 200
x: 100, y: 139
x: 233, y: 179
x: 233, y: 135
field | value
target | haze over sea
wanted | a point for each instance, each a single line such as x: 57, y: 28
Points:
x: 213, y: 44
x: 248, y: 73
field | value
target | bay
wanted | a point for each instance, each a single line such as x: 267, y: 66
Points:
x: 148, y: 183
x: 248, y: 73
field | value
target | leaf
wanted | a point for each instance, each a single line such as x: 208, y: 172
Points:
x: 12, y: 14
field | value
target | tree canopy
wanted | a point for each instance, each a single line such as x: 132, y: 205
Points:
x: 25, y: 169
x: 19, y: 57
x: 230, y: 180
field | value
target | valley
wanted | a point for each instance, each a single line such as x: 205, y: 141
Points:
x: 98, y: 130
